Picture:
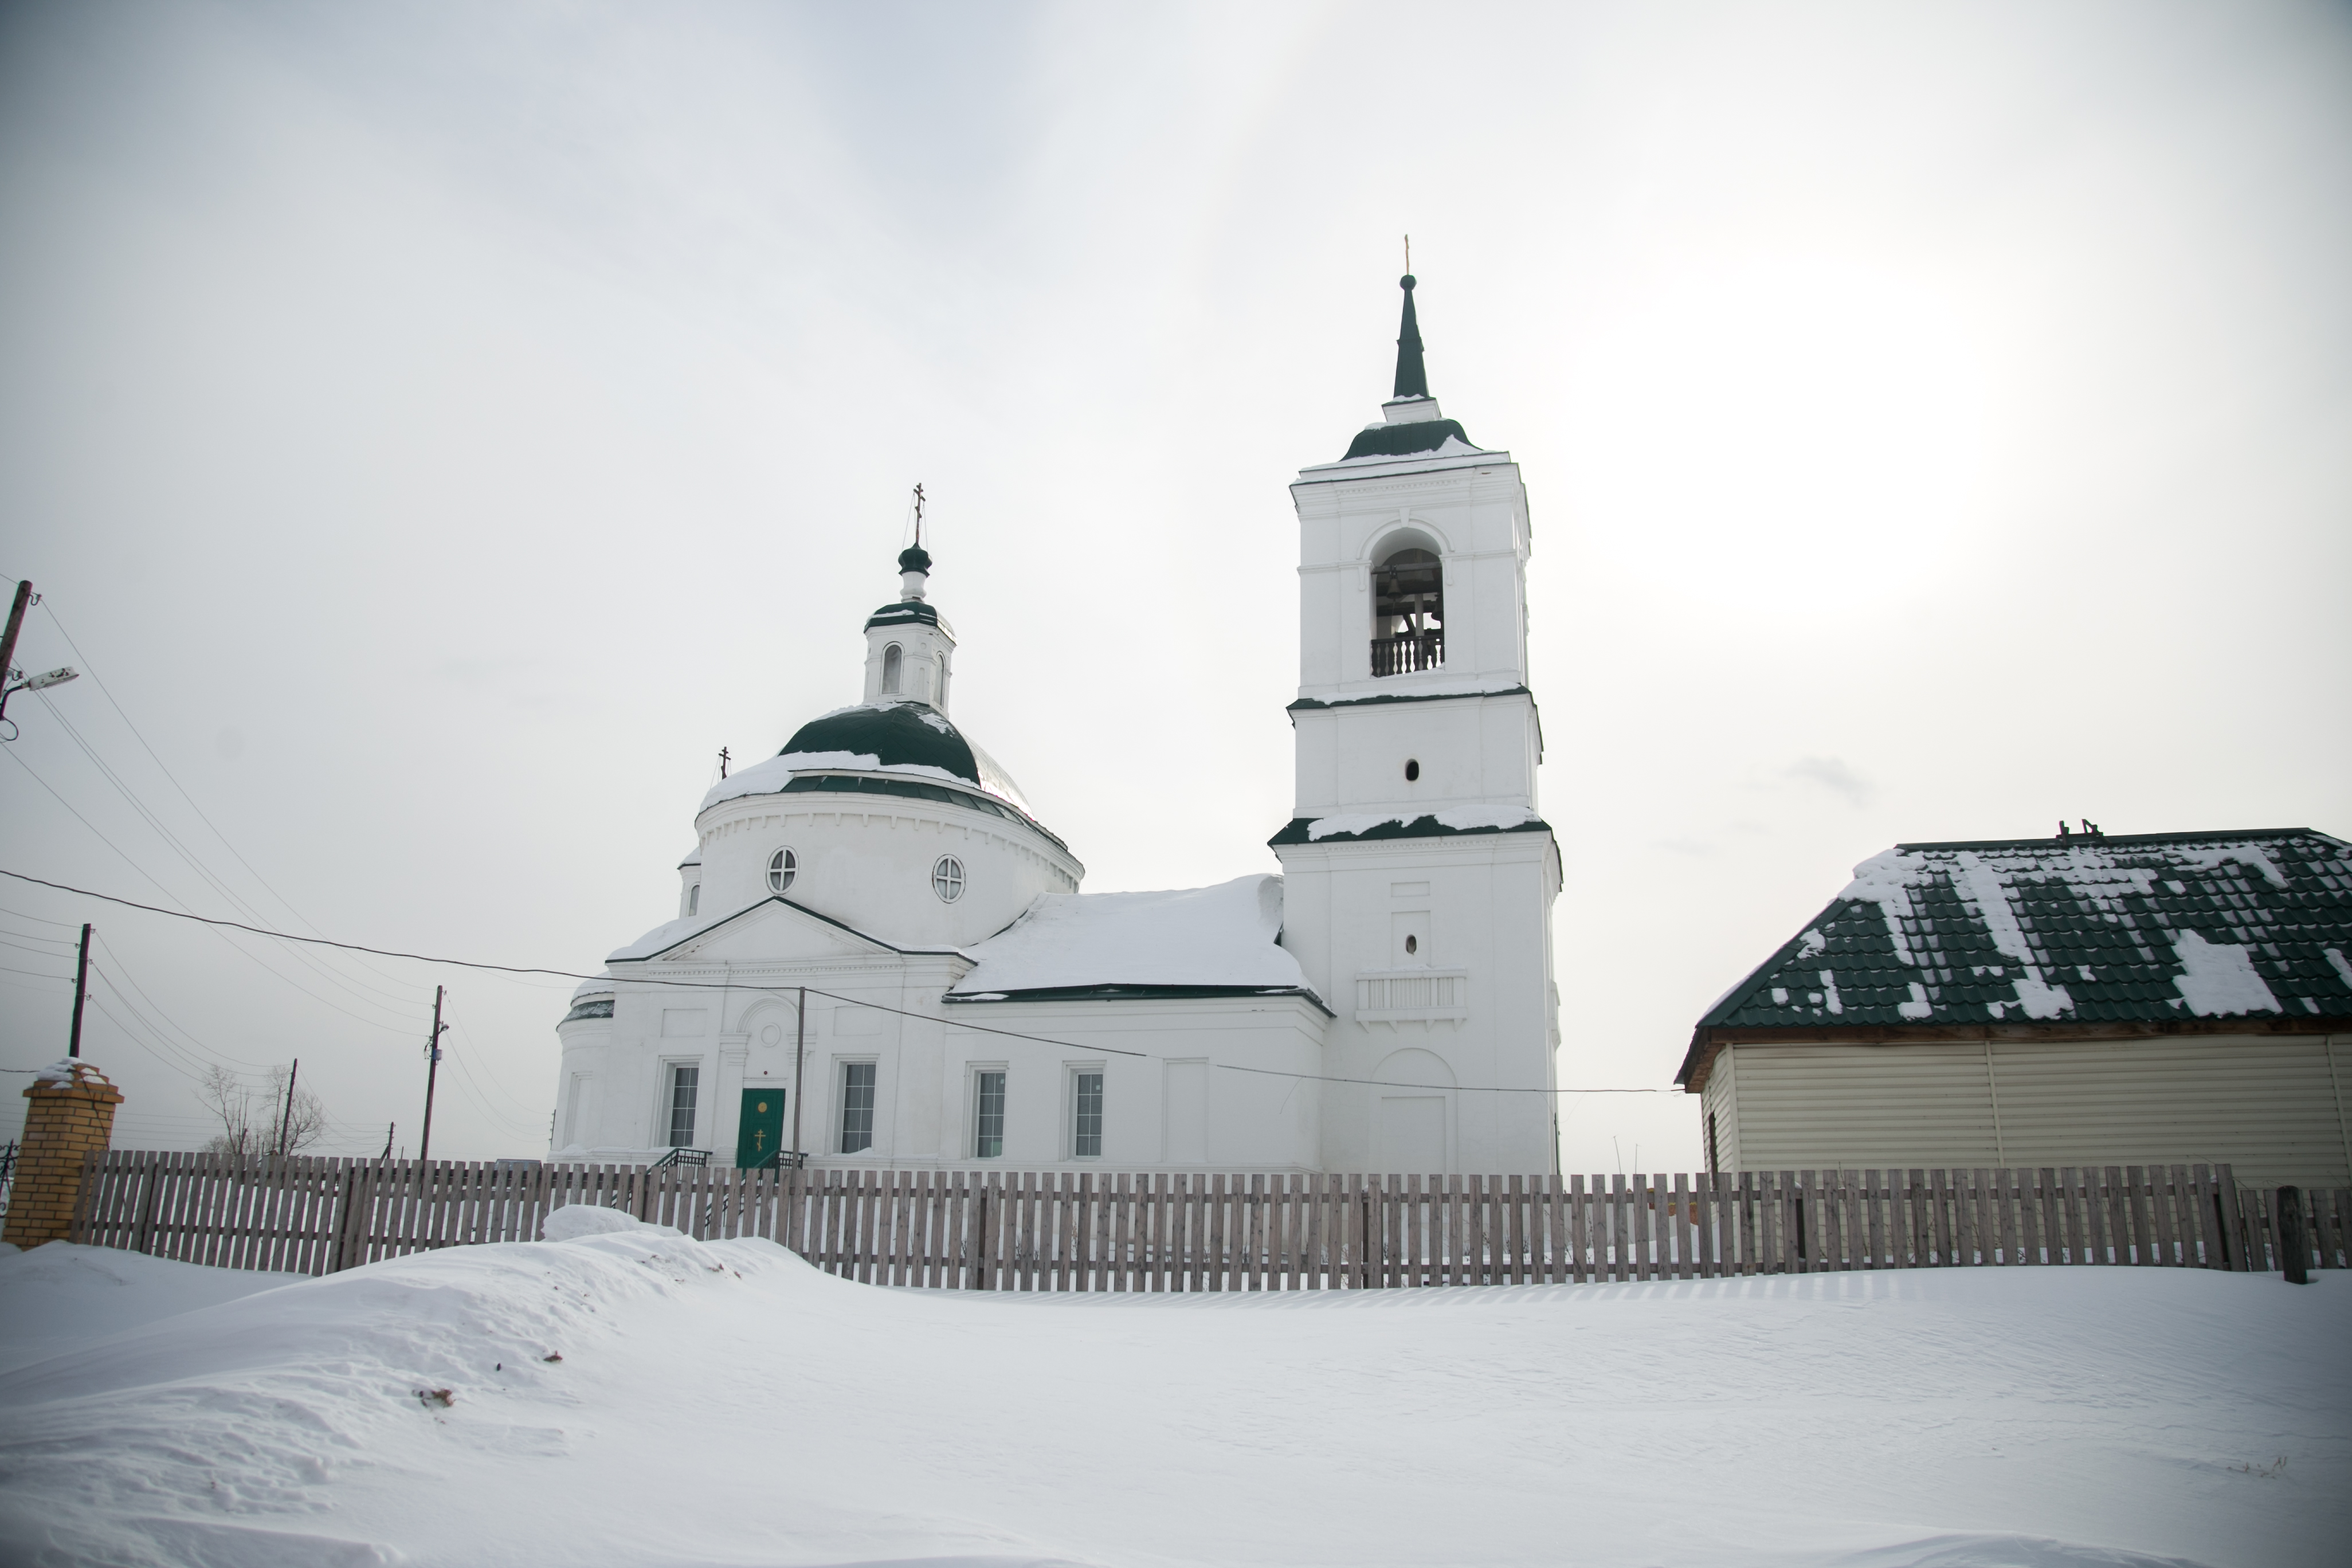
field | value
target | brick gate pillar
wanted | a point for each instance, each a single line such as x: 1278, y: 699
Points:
x: 71, y: 1114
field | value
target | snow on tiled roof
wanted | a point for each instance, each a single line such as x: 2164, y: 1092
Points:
x: 2081, y: 929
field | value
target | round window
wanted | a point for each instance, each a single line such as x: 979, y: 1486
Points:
x: 1411, y: 769
x: 782, y: 867
x: 947, y: 878
x: 1413, y: 945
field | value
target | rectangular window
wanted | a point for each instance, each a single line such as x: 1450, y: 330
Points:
x: 1085, y: 1122
x: 988, y: 1120
x: 856, y: 1106
x: 685, y: 1083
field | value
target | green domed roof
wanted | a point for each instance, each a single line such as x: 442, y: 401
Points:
x: 892, y: 734
x: 895, y: 736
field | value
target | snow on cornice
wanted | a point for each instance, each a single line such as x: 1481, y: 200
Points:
x: 1461, y: 818
x: 1452, y: 453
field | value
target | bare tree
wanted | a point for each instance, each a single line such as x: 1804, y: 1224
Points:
x: 253, y: 1117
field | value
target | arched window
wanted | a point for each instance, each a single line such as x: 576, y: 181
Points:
x: 941, y: 686
x: 1408, y: 613
x: 694, y: 900
x: 891, y: 670
x: 782, y: 867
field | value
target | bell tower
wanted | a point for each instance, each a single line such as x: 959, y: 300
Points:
x: 1419, y: 874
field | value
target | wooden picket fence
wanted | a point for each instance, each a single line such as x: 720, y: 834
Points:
x: 1068, y: 1231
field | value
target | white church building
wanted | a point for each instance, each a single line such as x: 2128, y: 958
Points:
x: 1386, y: 1004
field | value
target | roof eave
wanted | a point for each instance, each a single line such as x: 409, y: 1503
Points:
x: 1709, y: 1040
x: 1358, y: 467
x: 1132, y: 993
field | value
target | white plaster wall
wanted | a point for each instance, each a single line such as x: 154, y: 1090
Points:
x: 921, y: 648
x: 1471, y: 749
x: 1472, y: 510
x: 1251, y: 1122
x: 866, y: 861
x: 1487, y: 898
x: 923, y: 1106
x: 747, y: 1036
x: 1483, y: 901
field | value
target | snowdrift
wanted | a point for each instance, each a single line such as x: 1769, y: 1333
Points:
x: 632, y: 1396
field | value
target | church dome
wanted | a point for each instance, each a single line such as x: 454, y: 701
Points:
x: 893, y: 737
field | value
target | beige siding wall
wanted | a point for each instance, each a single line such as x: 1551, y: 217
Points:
x: 1720, y: 1101
x: 2273, y: 1107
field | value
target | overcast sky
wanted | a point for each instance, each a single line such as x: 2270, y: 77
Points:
x: 443, y: 428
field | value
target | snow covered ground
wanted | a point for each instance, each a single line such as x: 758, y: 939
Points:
x: 726, y: 1405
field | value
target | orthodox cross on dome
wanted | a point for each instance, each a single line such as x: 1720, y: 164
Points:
x: 913, y: 563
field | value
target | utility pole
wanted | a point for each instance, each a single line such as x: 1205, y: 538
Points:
x: 15, y: 625
x: 800, y: 1044
x: 82, y: 981
x: 286, y: 1125
x: 432, y: 1069
x: 387, y: 1138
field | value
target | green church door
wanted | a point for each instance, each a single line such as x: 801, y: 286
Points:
x: 761, y: 1131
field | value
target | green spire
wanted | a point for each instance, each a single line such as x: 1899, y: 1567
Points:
x: 1411, y: 377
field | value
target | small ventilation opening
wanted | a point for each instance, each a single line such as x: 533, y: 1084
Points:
x: 1413, y: 945
x: 1412, y: 769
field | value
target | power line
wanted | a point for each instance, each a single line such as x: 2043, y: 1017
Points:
x: 185, y: 914
x: 22, y: 941
x: 19, y: 914
x: 203, y: 873
x: 489, y: 1075
x: 129, y: 1034
x: 92, y: 671
x: 124, y: 970
x: 808, y: 990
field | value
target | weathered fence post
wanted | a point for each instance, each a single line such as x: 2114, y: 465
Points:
x: 2293, y: 1246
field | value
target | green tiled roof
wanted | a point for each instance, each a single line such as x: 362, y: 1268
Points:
x: 2154, y: 928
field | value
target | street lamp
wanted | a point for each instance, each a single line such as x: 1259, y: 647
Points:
x: 40, y: 682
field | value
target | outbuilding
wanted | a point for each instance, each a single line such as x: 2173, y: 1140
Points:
x: 2082, y: 1000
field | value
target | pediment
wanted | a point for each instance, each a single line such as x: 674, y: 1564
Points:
x: 771, y: 931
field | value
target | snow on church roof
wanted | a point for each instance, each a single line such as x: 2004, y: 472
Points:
x: 2148, y: 928
x: 892, y: 736
x: 1189, y: 938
